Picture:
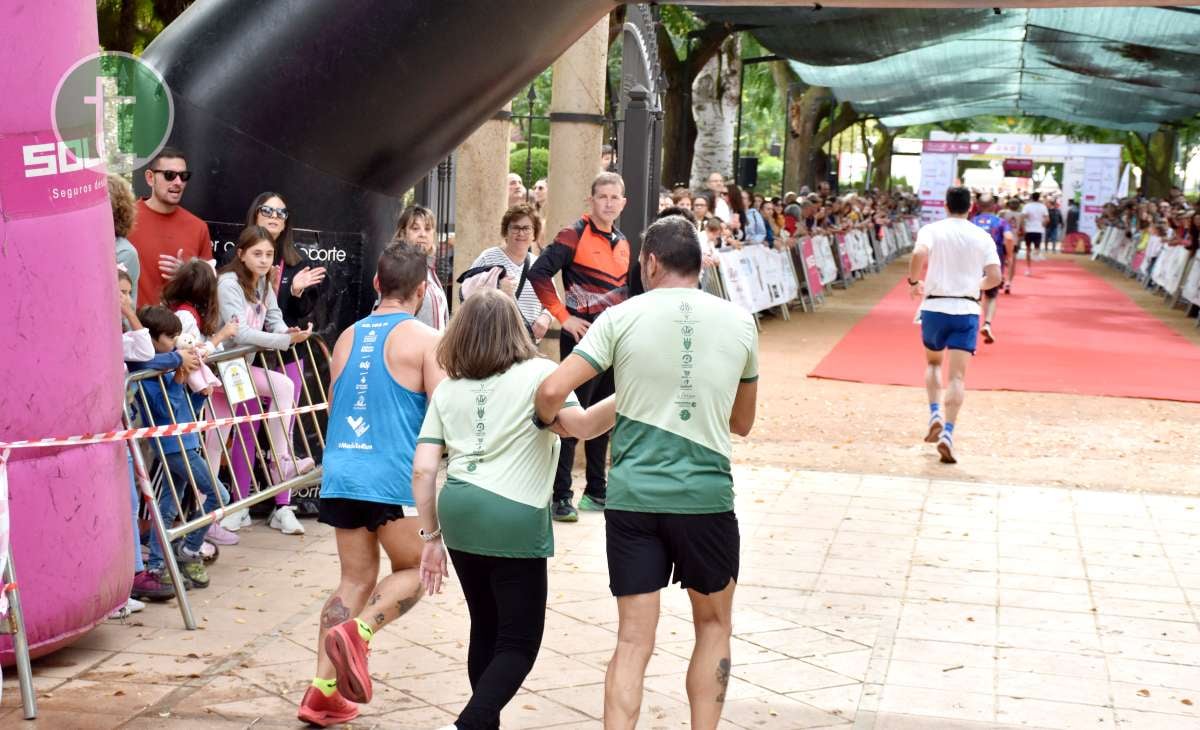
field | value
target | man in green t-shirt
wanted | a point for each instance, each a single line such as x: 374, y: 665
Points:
x: 686, y: 369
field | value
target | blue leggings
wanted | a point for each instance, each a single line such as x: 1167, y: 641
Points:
x: 134, y: 497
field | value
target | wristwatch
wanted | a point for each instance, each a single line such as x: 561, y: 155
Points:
x: 539, y: 424
x: 429, y: 536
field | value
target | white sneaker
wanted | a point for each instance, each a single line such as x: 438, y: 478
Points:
x: 284, y: 520
x: 237, y: 520
x: 132, y: 606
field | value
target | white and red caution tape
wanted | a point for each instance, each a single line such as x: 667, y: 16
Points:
x: 173, y: 429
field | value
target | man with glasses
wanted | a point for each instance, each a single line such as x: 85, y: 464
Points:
x: 164, y: 234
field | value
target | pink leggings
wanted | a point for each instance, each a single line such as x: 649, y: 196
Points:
x: 279, y: 390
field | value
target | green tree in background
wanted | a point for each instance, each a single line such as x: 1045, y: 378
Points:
x: 130, y: 25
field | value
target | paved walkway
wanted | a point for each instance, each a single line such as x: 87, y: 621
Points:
x: 865, y: 602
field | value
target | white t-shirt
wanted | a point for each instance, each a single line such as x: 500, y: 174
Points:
x: 958, y: 252
x: 1035, y: 215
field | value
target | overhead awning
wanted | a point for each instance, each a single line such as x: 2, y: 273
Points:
x: 1119, y: 67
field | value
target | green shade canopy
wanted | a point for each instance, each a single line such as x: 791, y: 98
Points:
x: 1120, y: 67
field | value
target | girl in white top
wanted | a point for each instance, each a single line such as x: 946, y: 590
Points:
x: 417, y: 227
x: 247, y: 299
x: 192, y: 295
x: 520, y: 228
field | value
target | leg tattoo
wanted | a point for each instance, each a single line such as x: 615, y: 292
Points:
x: 406, y: 604
x: 723, y: 678
x: 379, y: 618
x: 374, y: 599
x: 334, y: 613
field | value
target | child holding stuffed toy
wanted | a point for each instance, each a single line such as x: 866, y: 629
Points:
x: 192, y: 295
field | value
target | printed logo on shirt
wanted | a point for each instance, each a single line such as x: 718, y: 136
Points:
x: 358, y: 424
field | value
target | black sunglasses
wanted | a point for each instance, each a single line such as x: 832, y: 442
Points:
x: 170, y: 175
x: 272, y: 212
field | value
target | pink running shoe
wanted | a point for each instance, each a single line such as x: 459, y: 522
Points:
x: 218, y: 535
x: 348, y: 652
x: 317, y: 709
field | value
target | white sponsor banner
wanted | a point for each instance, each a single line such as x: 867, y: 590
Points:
x: 1100, y: 178
x: 937, y: 175
x: 756, y: 277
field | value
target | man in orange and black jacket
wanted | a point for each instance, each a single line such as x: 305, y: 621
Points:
x: 593, y: 257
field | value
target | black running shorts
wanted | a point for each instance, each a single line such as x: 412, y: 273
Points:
x: 352, y: 514
x: 1034, y: 240
x: 645, y: 549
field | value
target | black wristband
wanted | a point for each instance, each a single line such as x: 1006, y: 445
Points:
x: 539, y: 424
x: 913, y: 283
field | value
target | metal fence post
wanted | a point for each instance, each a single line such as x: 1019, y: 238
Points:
x: 635, y: 163
x: 16, y: 623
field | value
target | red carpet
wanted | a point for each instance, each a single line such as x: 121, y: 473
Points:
x: 1063, y: 330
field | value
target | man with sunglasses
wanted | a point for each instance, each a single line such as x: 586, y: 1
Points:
x: 164, y: 234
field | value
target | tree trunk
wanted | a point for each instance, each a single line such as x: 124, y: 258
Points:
x: 1157, y: 175
x: 805, y: 158
x: 715, y: 96
x: 679, y: 128
x: 882, y: 157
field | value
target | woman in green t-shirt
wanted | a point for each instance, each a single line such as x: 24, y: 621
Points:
x: 494, y: 506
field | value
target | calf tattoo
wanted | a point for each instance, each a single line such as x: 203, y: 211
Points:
x: 405, y: 604
x: 723, y: 678
x: 334, y: 613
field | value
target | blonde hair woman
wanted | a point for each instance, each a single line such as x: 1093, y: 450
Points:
x: 493, y: 512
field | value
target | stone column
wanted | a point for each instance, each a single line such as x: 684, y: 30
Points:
x: 576, y: 127
x: 481, y: 191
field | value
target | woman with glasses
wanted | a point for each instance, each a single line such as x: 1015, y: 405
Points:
x: 520, y: 227
x: 296, y: 284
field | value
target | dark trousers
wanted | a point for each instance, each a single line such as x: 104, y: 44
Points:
x: 596, y: 450
x: 507, y: 601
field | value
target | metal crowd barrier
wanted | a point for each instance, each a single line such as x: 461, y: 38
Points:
x: 14, y: 625
x: 253, y: 476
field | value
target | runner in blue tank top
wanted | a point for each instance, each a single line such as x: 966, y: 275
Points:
x: 1002, y: 234
x: 383, y: 370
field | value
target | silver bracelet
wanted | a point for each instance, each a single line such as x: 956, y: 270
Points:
x: 429, y: 536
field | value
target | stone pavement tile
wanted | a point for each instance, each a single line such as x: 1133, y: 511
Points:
x: 767, y: 576
x: 949, y: 592
x: 1162, y: 592
x: 1054, y: 539
x: 871, y: 543
x: 1160, y: 674
x: 1060, y: 664
x: 531, y: 710
x: 953, y: 576
x: 670, y: 658
x: 899, y: 721
x: 674, y: 687
x: 1173, y: 700
x: 972, y: 624
x: 790, y: 675
x: 944, y: 654
x: 884, y: 586
x: 445, y: 688
x: 881, y: 527
x: 12, y: 690
x: 1189, y: 581
x: 554, y: 671
x: 765, y: 599
x: 589, y: 700
x: 254, y: 710
x: 114, y: 636
x: 750, y: 621
x: 1045, y: 686
x: 154, y: 722
x: 1065, y: 568
x: 216, y: 640
x: 1043, y: 583
x: 116, y: 701
x: 1070, y: 642
x: 859, y: 563
x: 592, y: 611
x: 407, y: 661
x: 455, y: 650
x: 1148, y: 628
x: 1138, y: 720
x: 281, y: 679
x: 1155, y: 650
x: 148, y: 668
x: 853, y: 604
x: 745, y: 650
x: 1037, y: 618
x: 935, y: 703
x: 954, y: 678
x: 851, y: 664
x: 841, y: 702
x: 776, y: 712
x: 66, y: 663
x: 416, y: 718
x: 1041, y: 713
x: 1142, y: 608
x: 1160, y: 574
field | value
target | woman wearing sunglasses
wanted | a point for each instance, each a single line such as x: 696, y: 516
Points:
x: 296, y: 284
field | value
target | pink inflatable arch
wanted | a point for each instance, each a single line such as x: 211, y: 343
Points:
x: 60, y: 355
